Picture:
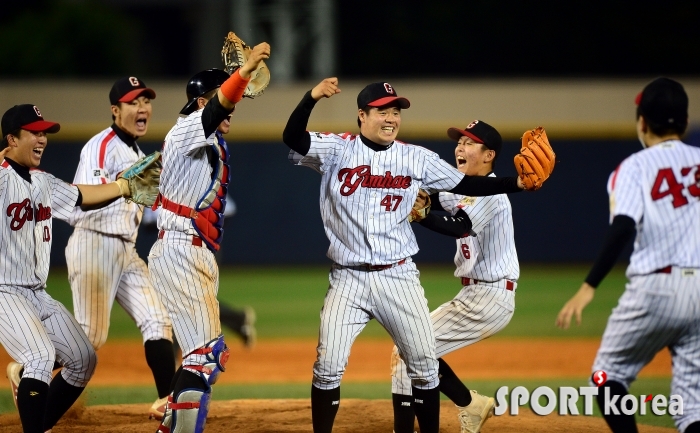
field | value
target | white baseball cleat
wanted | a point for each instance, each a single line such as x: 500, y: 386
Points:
x: 157, y: 410
x: 474, y: 416
x: 13, y: 373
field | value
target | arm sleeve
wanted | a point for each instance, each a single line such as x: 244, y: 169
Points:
x: 457, y: 226
x: 295, y: 135
x: 483, y: 186
x: 212, y: 115
x: 622, y: 229
x: 435, y: 202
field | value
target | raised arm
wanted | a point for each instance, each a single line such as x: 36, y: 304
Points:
x: 295, y: 135
x: 231, y: 91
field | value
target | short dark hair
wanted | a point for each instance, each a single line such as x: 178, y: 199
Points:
x: 6, y: 143
x: 366, y: 110
x: 495, y: 157
x: 661, y: 129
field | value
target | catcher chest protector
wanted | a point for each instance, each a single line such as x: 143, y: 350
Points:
x: 208, y: 216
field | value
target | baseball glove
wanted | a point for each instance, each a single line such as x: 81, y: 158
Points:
x: 535, y: 161
x: 421, y: 207
x: 234, y: 54
x: 139, y: 183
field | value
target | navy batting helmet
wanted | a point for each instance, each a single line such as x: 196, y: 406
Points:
x: 201, y: 83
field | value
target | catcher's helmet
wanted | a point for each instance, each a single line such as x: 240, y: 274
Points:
x: 201, y: 83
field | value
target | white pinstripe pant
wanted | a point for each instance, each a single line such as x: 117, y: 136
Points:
x: 103, y: 268
x: 186, y: 278
x: 37, y: 330
x: 396, y: 299
x: 657, y: 311
x: 476, y: 313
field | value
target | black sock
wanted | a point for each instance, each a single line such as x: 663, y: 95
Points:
x: 693, y: 428
x: 159, y: 357
x: 62, y: 395
x: 32, y: 395
x: 452, y: 387
x: 324, y: 407
x: 175, y: 378
x: 403, y: 413
x: 188, y: 380
x: 426, y: 404
x: 618, y: 423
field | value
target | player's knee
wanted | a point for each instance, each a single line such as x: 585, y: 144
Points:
x: 208, y: 361
x: 327, y: 374
x: 80, y: 367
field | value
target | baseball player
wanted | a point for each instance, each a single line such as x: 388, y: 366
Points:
x: 655, y: 194
x: 183, y: 268
x: 369, y: 184
x: 103, y: 264
x: 35, y: 329
x: 240, y: 320
x: 487, y: 264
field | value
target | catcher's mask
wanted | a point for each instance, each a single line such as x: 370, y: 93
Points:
x: 201, y: 83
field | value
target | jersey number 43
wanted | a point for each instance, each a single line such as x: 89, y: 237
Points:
x: 666, y: 179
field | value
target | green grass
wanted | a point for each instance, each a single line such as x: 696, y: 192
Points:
x: 288, y: 300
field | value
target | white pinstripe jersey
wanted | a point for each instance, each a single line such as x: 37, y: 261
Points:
x: 367, y: 195
x: 27, y: 212
x: 659, y: 188
x: 102, y: 158
x: 186, y: 169
x: 491, y: 255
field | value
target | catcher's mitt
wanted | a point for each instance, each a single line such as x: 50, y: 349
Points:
x: 139, y: 183
x: 535, y: 161
x: 234, y: 54
x: 421, y: 207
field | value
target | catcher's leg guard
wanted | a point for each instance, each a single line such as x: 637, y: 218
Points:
x: 216, y: 353
x: 187, y: 409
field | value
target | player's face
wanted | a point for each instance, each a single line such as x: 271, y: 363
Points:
x: 132, y: 117
x: 225, y: 125
x: 473, y: 159
x: 27, y: 148
x: 380, y: 125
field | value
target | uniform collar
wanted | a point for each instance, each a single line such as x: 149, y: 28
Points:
x: 21, y: 170
x: 126, y: 138
x: 374, y: 146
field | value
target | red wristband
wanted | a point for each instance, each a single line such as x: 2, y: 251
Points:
x: 234, y: 87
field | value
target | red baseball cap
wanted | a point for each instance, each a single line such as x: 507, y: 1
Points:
x: 129, y: 88
x: 27, y: 117
x: 380, y: 95
x: 481, y: 132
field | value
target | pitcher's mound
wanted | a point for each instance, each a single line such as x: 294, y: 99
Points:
x: 268, y: 416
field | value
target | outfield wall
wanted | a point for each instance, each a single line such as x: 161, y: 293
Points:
x: 278, y: 218
x: 590, y: 123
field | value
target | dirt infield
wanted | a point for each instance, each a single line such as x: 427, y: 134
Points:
x: 121, y: 363
x: 267, y: 416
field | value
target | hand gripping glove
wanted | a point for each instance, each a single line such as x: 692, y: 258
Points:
x: 139, y: 183
x: 234, y: 54
x: 535, y: 161
x: 421, y: 207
